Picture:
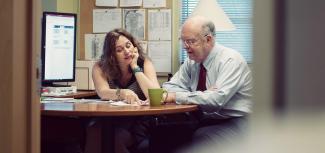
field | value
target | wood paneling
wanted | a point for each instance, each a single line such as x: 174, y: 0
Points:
x: 18, y: 128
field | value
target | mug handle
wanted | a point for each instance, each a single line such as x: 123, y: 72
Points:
x: 162, y: 95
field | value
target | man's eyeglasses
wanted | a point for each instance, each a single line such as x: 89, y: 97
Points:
x: 190, y: 42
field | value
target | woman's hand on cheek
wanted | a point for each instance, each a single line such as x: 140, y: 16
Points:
x: 135, y: 56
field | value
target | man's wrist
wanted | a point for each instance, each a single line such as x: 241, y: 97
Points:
x: 171, y: 98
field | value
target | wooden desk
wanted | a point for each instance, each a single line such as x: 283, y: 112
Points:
x: 60, y: 111
x: 106, y: 109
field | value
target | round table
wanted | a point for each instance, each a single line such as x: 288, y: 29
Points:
x: 106, y: 109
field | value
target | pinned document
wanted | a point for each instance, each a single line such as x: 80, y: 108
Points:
x: 154, y: 3
x: 159, y: 24
x: 110, y: 3
x: 134, y: 22
x: 105, y: 20
x: 161, y: 55
x: 130, y: 3
x: 94, y: 44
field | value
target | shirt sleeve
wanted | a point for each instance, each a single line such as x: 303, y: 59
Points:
x: 230, y: 79
x: 179, y: 82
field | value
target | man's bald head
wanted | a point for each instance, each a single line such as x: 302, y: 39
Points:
x: 198, y: 37
x: 192, y: 23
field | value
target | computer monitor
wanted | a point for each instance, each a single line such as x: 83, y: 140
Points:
x: 58, y: 47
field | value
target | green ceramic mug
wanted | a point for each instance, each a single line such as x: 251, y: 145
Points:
x: 156, y: 96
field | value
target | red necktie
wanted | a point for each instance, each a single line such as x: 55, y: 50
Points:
x: 202, y: 77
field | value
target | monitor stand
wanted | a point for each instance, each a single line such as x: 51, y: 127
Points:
x: 52, y: 89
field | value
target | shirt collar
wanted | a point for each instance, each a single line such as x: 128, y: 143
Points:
x: 213, y: 53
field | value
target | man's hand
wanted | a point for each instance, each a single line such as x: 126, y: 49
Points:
x: 171, y: 98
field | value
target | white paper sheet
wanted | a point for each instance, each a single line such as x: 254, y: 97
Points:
x: 72, y: 100
x: 94, y: 44
x: 159, y: 24
x: 134, y: 22
x: 92, y: 101
x: 44, y: 99
x: 154, y: 3
x: 120, y: 103
x: 130, y: 3
x: 111, y: 3
x: 105, y: 20
x: 161, y: 55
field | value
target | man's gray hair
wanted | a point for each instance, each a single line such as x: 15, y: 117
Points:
x: 209, y: 28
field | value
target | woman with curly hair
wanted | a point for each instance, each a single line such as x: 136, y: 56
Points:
x: 124, y: 73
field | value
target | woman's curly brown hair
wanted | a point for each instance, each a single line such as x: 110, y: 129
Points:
x: 108, y: 61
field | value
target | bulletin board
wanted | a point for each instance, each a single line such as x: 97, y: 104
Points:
x: 86, y: 27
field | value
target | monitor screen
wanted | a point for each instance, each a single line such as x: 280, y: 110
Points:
x: 58, y: 47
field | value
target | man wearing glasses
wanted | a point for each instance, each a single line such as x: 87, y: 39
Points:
x: 216, y: 78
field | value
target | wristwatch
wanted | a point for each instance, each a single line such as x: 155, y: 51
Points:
x: 137, y: 69
x: 118, y: 93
